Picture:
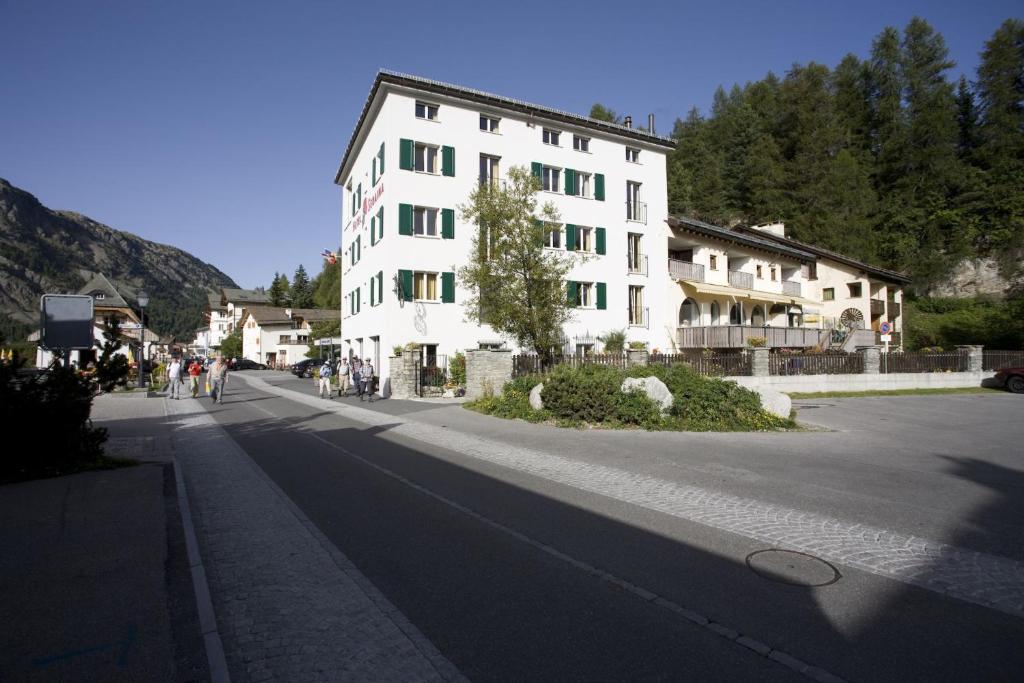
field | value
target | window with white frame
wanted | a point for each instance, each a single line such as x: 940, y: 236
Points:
x: 580, y: 143
x: 553, y: 235
x: 551, y: 137
x: 489, y: 124
x: 550, y: 179
x: 424, y: 286
x: 489, y: 169
x: 425, y: 110
x: 426, y: 158
x: 424, y: 221
x: 584, y: 294
x: 581, y: 184
x: 636, y: 305
x: 633, y: 155
x: 584, y: 239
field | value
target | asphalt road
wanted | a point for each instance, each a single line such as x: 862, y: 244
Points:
x: 514, y: 576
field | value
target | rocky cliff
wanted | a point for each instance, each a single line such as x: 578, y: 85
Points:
x: 43, y: 251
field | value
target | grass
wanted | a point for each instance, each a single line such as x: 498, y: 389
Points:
x: 892, y: 392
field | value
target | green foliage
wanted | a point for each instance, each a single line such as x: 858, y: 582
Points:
x: 231, y: 346
x: 302, y: 289
x: 457, y: 369
x: 515, y: 285
x: 603, y: 113
x: 327, y: 287
x: 584, y: 394
x: 614, y: 341
x: 995, y: 323
x: 637, y: 345
x: 320, y: 330
x: 52, y: 410
x: 111, y: 368
x: 757, y: 342
x: 279, y: 291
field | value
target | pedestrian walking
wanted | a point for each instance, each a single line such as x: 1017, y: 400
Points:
x: 194, y: 371
x: 344, y: 374
x: 175, y: 379
x: 325, y: 379
x: 366, y: 379
x: 218, y: 379
x: 355, y: 365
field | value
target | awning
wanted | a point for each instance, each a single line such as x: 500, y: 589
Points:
x: 775, y: 298
x: 705, y: 288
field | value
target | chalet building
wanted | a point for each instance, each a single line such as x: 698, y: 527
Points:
x: 224, y: 312
x: 279, y: 336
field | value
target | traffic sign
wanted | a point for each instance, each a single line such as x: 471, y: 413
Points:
x: 130, y: 326
x: 885, y: 328
x: 887, y: 338
x: 67, y: 321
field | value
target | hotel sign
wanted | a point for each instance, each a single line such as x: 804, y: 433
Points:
x: 369, y: 202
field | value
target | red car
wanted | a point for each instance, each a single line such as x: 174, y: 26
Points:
x: 1011, y: 378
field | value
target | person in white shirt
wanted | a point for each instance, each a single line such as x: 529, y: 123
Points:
x: 175, y: 379
x: 325, y: 379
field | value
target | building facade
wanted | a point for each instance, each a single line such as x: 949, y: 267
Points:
x: 224, y: 311
x: 418, y: 151
x: 279, y: 337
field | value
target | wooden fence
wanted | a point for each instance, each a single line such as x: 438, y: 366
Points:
x: 710, y: 364
x: 832, y: 363
x: 532, y: 364
x: 994, y: 360
x: 922, y: 361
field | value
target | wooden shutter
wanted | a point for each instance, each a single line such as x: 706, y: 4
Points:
x: 405, y: 278
x: 405, y: 219
x: 406, y: 152
x: 448, y: 161
x: 602, y: 299
x: 570, y: 181
x: 380, y: 164
x: 537, y: 171
x: 448, y: 224
x: 373, y: 292
x: 373, y: 231
x: 447, y: 288
x: 570, y: 237
x: 373, y: 174
x: 380, y: 287
x: 380, y: 224
x: 599, y: 187
x: 540, y: 231
x: 570, y: 288
x: 600, y: 241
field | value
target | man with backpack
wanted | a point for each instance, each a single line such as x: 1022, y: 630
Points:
x: 325, y: 378
x: 366, y: 379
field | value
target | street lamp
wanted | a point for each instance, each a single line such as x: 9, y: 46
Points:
x: 143, y: 300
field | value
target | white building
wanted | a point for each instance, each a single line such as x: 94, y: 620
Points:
x: 225, y: 309
x: 279, y: 336
x: 419, y: 149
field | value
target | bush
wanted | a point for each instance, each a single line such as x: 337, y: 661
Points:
x: 584, y: 394
x: 614, y: 341
x: 457, y: 369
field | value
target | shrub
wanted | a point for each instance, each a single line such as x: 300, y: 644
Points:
x: 457, y: 369
x: 637, y: 345
x: 396, y: 350
x: 757, y: 342
x: 614, y: 341
x: 587, y: 393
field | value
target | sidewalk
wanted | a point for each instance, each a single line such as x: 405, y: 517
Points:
x: 96, y: 584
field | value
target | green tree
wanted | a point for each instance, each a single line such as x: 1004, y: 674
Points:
x: 966, y: 119
x: 278, y: 293
x: 231, y: 346
x: 301, y: 290
x: 327, y: 287
x: 319, y: 330
x: 515, y: 286
x: 603, y: 113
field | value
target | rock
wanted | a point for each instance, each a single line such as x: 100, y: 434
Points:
x: 653, y: 387
x: 775, y: 402
x: 536, y: 402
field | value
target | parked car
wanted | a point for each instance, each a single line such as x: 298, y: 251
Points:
x: 304, y: 368
x: 1011, y: 378
x: 246, y: 364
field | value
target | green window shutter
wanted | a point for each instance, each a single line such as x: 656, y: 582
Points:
x: 570, y: 237
x: 373, y: 231
x: 538, y: 226
x: 373, y: 293
x: 380, y: 287
x: 406, y: 152
x: 448, y: 161
x: 599, y: 187
x: 570, y: 181
x: 600, y: 241
x: 405, y: 219
x: 447, y: 288
x: 359, y: 248
x: 380, y: 156
x: 448, y: 224
x: 359, y: 195
x: 602, y: 298
x: 405, y: 277
x: 570, y: 288
x: 380, y: 224
x: 537, y: 170
x: 374, y: 172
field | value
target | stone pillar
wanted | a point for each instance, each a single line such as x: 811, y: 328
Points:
x: 759, y: 363
x: 405, y: 374
x: 975, y: 356
x: 487, y: 370
x: 872, y: 360
x: 637, y: 357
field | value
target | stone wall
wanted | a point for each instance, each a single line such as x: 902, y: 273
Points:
x: 405, y: 374
x: 878, y: 382
x: 487, y: 369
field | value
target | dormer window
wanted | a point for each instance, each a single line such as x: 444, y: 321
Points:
x: 426, y: 111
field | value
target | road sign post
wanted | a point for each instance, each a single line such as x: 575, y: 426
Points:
x: 66, y: 323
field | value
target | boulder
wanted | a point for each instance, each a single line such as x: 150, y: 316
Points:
x: 653, y: 387
x: 775, y: 402
x: 536, y: 402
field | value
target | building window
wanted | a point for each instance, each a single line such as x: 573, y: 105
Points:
x: 636, y: 305
x: 551, y: 137
x: 714, y: 262
x: 424, y: 223
x: 426, y: 158
x: 424, y: 286
x: 581, y: 184
x: 488, y: 169
x: 584, y: 295
x: 634, y: 253
x: 828, y: 294
x: 633, y: 155
x: 812, y: 271
x: 634, y: 210
x: 580, y: 143
x: 855, y: 289
x: 760, y: 275
x: 583, y: 239
x: 736, y: 314
x: 553, y: 236
x: 772, y: 272
x: 716, y: 313
x: 489, y: 123
x: 549, y: 179
x: 426, y: 111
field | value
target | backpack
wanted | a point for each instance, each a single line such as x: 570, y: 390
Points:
x: 325, y: 371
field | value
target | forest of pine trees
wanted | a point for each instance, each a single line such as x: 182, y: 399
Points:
x: 885, y: 159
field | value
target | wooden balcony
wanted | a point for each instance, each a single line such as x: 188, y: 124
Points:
x: 741, y: 280
x: 877, y: 307
x: 791, y: 288
x: 737, y: 336
x: 684, y: 270
x: 894, y: 309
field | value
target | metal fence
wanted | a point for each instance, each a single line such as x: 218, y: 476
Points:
x: 711, y: 364
x: 532, y: 364
x: 435, y: 372
x: 993, y: 360
x: 921, y: 361
x: 815, y: 363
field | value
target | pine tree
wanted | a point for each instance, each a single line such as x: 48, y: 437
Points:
x: 603, y: 113
x: 763, y: 182
x: 327, y: 287
x: 278, y: 292
x: 966, y: 119
x: 301, y: 289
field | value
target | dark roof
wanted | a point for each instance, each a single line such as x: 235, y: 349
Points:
x: 244, y: 296
x: 883, y: 273
x: 708, y: 230
x: 214, y: 300
x: 99, y: 284
x: 272, y: 315
x: 490, y: 99
x: 314, y: 314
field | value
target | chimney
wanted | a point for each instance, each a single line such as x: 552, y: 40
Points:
x: 650, y: 124
x: 628, y: 122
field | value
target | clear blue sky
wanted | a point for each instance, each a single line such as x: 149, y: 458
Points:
x: 217, y: 126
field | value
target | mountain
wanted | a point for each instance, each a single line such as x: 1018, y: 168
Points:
x: 43, y: 251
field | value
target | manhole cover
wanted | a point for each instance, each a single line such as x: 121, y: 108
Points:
x: 792, y: 567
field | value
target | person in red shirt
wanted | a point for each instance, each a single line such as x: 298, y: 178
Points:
x: 194, y: 370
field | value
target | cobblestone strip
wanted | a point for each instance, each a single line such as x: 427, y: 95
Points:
x: 288, y: 604
x: 976, y: 577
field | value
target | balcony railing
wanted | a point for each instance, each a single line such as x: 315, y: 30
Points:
x: 791, y: 288
x: 684, y: 270
x: 639, y: 317
x: 737, y: 336
x: 877, y: 307
x: 636, y: 264
x: 894, y: 309
x: 741, y: 280
x: 636, y: 211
